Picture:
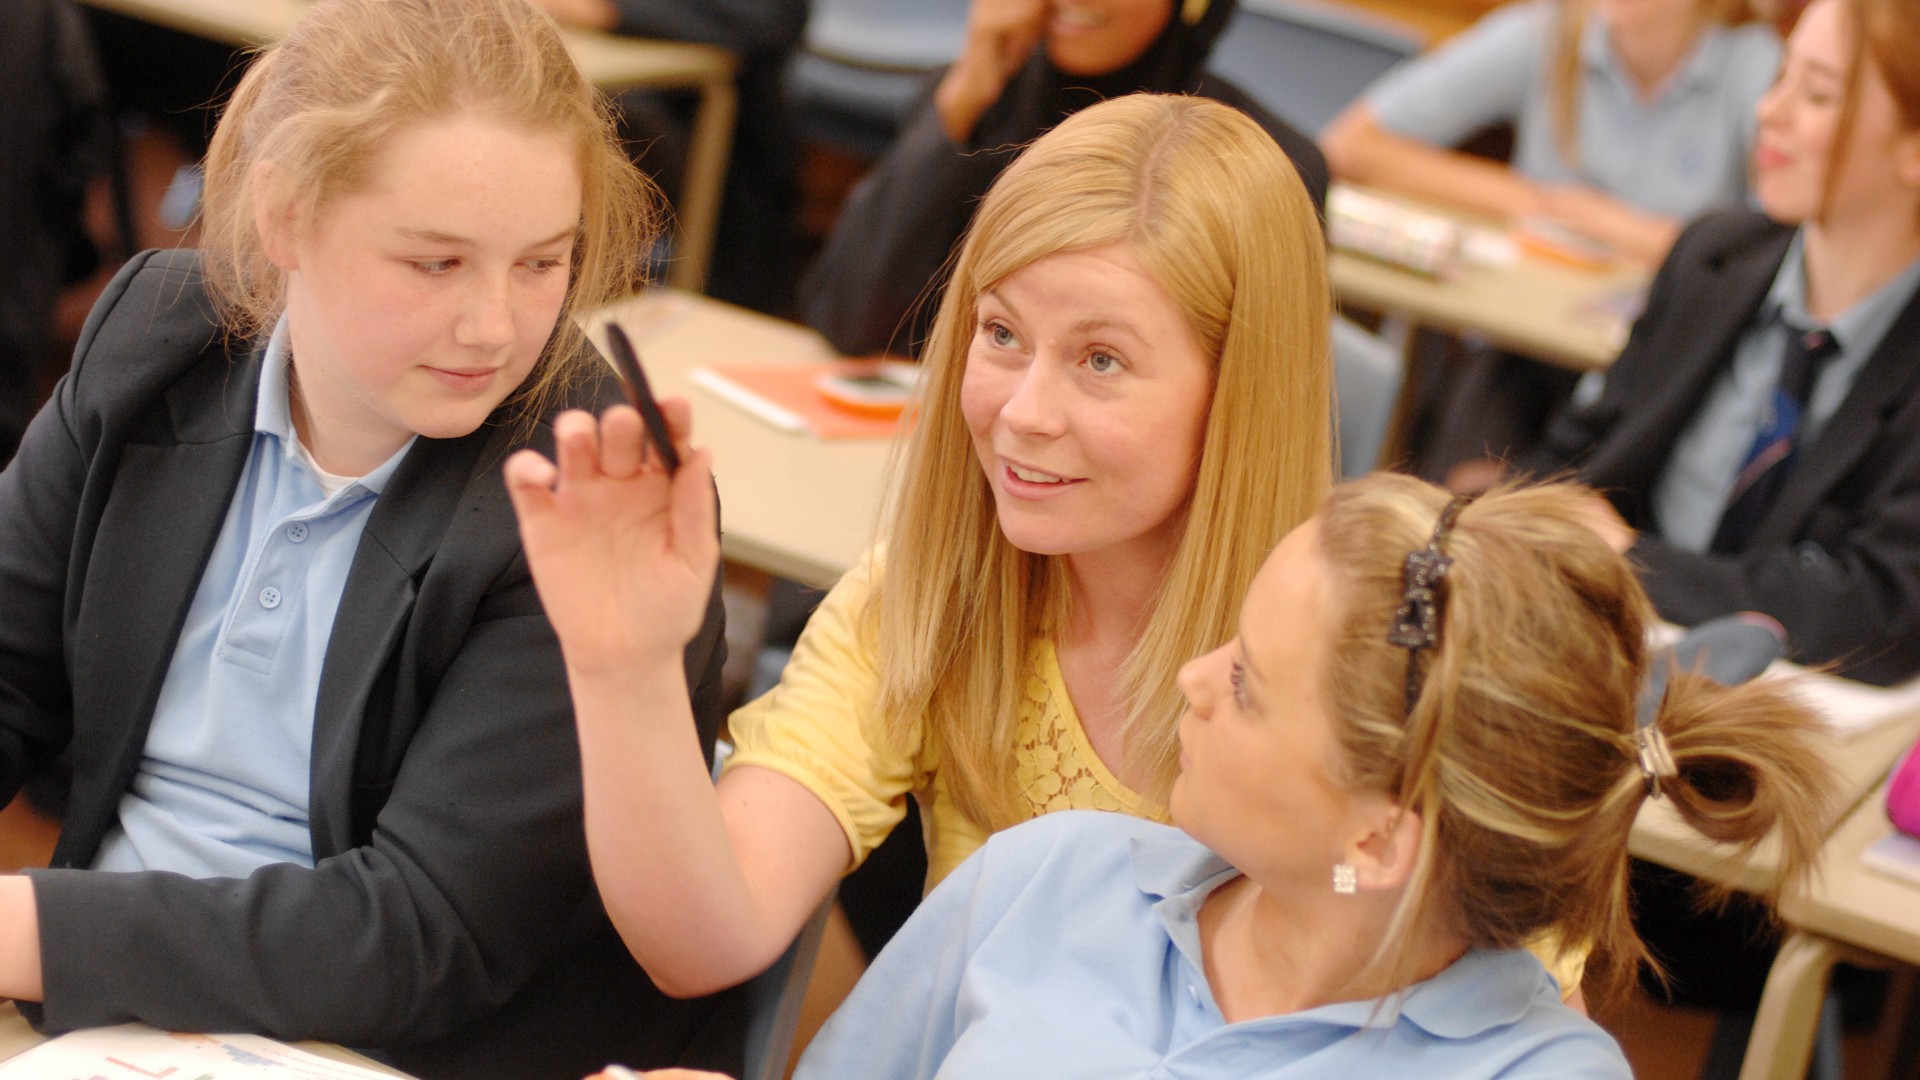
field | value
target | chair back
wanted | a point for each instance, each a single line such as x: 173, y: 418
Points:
x: 1304, y: 61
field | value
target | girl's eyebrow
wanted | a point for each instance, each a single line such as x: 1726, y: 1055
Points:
x: 435, y: 236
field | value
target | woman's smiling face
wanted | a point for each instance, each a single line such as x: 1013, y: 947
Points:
x: 1087, y: 396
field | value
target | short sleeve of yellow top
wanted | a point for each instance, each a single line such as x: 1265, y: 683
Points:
x: 821, y: 727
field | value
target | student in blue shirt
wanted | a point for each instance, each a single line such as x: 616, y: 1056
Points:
x: 260, y: 582
x: 1629, y: 117
x: 1420, y: 749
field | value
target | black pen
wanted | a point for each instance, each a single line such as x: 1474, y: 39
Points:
x: 640, y: 395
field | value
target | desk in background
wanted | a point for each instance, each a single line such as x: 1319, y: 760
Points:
x: 1498, y: 289
x: 1850, y: 912
x: 792, y: 505
x: 610, y: 62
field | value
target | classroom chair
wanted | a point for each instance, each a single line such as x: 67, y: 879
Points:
x: 1367, y: 372
x: 1304, y: 61
x: 774, y: 997
x: 863, y: 63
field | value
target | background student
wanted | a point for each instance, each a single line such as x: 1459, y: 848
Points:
x: 1025, y: 66
x: 1629, y: 117
x: 260, y: 580
x: 1126, y: 399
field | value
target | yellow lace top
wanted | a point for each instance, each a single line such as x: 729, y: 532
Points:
x: 821, y: 728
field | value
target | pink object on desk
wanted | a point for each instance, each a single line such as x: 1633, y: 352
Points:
x: 1903, y: 794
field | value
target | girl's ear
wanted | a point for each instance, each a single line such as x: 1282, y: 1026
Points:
x: 273, y: 216
x: 1385, y: 854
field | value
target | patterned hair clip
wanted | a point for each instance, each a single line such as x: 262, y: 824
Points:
x: 1416, y: 624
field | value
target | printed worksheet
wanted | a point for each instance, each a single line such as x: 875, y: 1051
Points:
x: 139, y: 1052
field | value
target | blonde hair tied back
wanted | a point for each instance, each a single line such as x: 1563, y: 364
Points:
x: 1520, y: 753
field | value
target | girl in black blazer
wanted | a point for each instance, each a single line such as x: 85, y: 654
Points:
x: 1833, y: 549
x: 260, y: 582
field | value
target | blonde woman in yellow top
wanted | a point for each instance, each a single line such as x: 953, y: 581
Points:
x: 1127, y: 405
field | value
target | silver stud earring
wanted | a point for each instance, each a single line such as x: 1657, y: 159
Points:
x: 1345, y: 880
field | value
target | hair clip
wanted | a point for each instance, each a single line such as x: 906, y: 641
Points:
x: 1416, y: 623
x: 1656, y: 758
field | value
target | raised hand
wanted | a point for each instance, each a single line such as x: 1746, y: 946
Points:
x: 622, y: 554
x: 1001, y: 34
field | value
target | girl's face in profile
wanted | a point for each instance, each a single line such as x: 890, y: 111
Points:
x: 1087, y: 396
x: 1257, y: 744
x: 1877, y: 171
x: 417, y: 304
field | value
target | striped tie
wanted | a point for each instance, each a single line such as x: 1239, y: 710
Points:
x: 1770, y: 458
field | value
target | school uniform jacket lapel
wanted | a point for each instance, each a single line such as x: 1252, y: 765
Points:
x: 180, y: 468
x: 1884, y: 384
x: 367, y: 655
x: 1660, y: 384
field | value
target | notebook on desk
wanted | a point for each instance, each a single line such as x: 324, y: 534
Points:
x: 134, y: 1050
x: 787, y: 397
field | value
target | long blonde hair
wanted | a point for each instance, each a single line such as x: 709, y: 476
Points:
x: 1519, y: 753
x: 323, y: 103
x: 1563, y: 74
x: 1214, y: 210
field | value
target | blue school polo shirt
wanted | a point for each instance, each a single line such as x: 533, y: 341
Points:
x: 1069, y: 947
x: 1679, y: 154
x: 223, y: 783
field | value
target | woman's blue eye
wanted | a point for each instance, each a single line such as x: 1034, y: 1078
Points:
x: 1100, y: 363
x: 433, y: 266
x: 997, y: 332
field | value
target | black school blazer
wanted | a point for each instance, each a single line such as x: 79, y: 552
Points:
x: 451, y: 918
x: 1837, y: 558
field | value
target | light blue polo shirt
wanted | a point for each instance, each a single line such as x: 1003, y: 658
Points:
x: 1069, y: 947
x: 1691, y: 493
x: 1682, y: 153
x: 222, y: 787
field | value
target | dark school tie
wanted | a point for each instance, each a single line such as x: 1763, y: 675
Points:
x: 1764, y: 471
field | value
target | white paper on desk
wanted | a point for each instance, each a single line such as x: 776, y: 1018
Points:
x: 130, y: 1051
x: 1896, y: 855
x: 1848, y: 706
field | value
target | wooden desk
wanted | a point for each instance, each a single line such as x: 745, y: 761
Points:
x: 1849, y: 913
x: 17, y: 1037
x: 791, y: 505
x: 1537, y: 308
x: 1846, y: 909
x: 609, y: 61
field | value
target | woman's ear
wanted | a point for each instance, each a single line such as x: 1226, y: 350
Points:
x: 1384, y: 855
x: 273, y: 216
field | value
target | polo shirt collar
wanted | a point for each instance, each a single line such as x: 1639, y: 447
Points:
x: 273, y: 414
x: 1863, y: 324
x: 1484, y: 989
x: 1700, y: 70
